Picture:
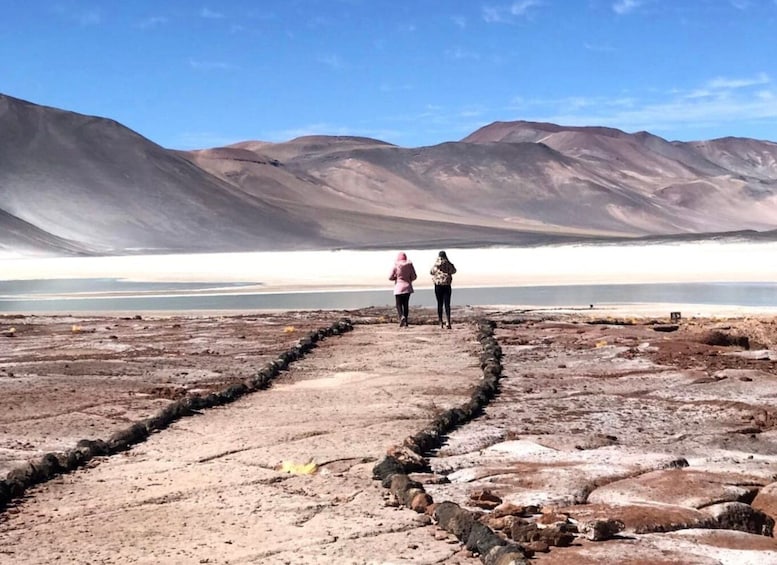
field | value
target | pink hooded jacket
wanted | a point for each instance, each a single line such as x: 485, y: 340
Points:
x: 404, y: 275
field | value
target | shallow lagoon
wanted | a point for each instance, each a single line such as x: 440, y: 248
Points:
x: 94, y: 295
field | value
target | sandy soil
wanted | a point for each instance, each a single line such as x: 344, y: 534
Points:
x: 598, y: 418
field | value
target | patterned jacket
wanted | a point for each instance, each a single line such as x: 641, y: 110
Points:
x: 442, y: 272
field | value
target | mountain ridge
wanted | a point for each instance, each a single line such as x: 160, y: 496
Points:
x: 71, y: 183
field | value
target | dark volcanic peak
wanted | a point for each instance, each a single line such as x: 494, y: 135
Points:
x: 71, y: 183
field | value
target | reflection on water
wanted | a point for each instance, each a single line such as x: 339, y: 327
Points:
x: 66, y: 286
x: 12, y: 299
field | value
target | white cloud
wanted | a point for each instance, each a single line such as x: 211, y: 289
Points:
x: 625, y: 6
x: 699, y: 93
x: 461, y: 21
x: 741, y: 4
x: 80, y: 17
x: 472, y: 112
x: 721, y: 87
x: 386, y: 87
x: 719, y: 102
x: 493, y: 15
x: 721, y: 83
x: 152, y: 22
x: 211, y: 65
x: 332, y: 61
x: 89, y: 18
x: 210, y: 14
x: 601, y: 48
x: 522, y: 7
x: 508, y: 13
x: 459, y: 54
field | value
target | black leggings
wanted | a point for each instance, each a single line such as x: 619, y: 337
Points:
x: 403, y: 305
x: 443, y: 293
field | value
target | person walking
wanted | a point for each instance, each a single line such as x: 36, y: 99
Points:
x: 403, y: 274
x: 442, y: 275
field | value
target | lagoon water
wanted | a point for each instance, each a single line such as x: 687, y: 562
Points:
x: 94, y: 295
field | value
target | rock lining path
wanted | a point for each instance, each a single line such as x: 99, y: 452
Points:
x: 672, y: 434
x: 209, y: 489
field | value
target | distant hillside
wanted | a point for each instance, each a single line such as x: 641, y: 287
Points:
x: 78, y: 184
x: 102, y: 188
x: 713, y: 186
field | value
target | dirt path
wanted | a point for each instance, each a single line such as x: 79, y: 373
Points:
x: 609, y: 441
x: 210, y: 489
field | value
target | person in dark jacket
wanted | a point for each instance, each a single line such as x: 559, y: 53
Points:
x: 442, y: 275
x: 403, y: 274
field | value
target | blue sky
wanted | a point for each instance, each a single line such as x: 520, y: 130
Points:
x: 190, y: 74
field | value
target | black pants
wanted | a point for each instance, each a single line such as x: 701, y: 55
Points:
x: 403, y: 305
x: 443, y: 294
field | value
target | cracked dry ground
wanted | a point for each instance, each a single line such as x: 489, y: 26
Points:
x: 661, y: 434
x: 611, y: 426
x: 210, y: 488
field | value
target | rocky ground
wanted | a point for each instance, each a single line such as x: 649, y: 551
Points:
x: 611, y: 440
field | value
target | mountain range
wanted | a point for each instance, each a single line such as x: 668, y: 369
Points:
x: 77, y: 184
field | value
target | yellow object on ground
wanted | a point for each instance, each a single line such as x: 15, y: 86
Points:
x: 299, y: 468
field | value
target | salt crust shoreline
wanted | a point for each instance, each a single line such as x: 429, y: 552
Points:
x: 344, y: 270
x: 514, y: 266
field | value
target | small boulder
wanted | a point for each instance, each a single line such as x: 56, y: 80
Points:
x: 484, y: 499
x: 601, y: 530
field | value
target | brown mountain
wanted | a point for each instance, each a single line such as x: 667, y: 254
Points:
x: 90, y: 185
x: 95, y: 186
x: 713, y: 186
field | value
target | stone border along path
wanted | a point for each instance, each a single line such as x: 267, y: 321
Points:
x: 50, y: 465
x: 179, y: 497
x: 393, y: 471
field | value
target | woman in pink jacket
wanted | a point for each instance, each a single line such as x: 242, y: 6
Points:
x: 403, y: 275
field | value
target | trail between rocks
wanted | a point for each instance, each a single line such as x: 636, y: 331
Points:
x: 210, y: 488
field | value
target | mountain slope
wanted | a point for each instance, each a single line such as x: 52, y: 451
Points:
x: 713, y: 186
x: 71, y: 183
x: 20, y: 237
x: 93, y: 181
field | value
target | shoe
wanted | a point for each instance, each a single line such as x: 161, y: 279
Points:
x: 442, y: 326
x: 403, y: 322
x: 448, y: 326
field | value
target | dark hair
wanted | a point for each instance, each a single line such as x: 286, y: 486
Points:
x: 442, y: 254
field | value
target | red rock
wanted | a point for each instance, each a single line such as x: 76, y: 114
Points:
x: 551, y: 518
x: 421, y: 502
x: 729, y: 539
x: 601, y: 530
x: 640, y: 518
x: 766, y: 500
x: 683, y: 487
x: 509, y: 509
x: 484, y: 499
x: 740, y: 516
